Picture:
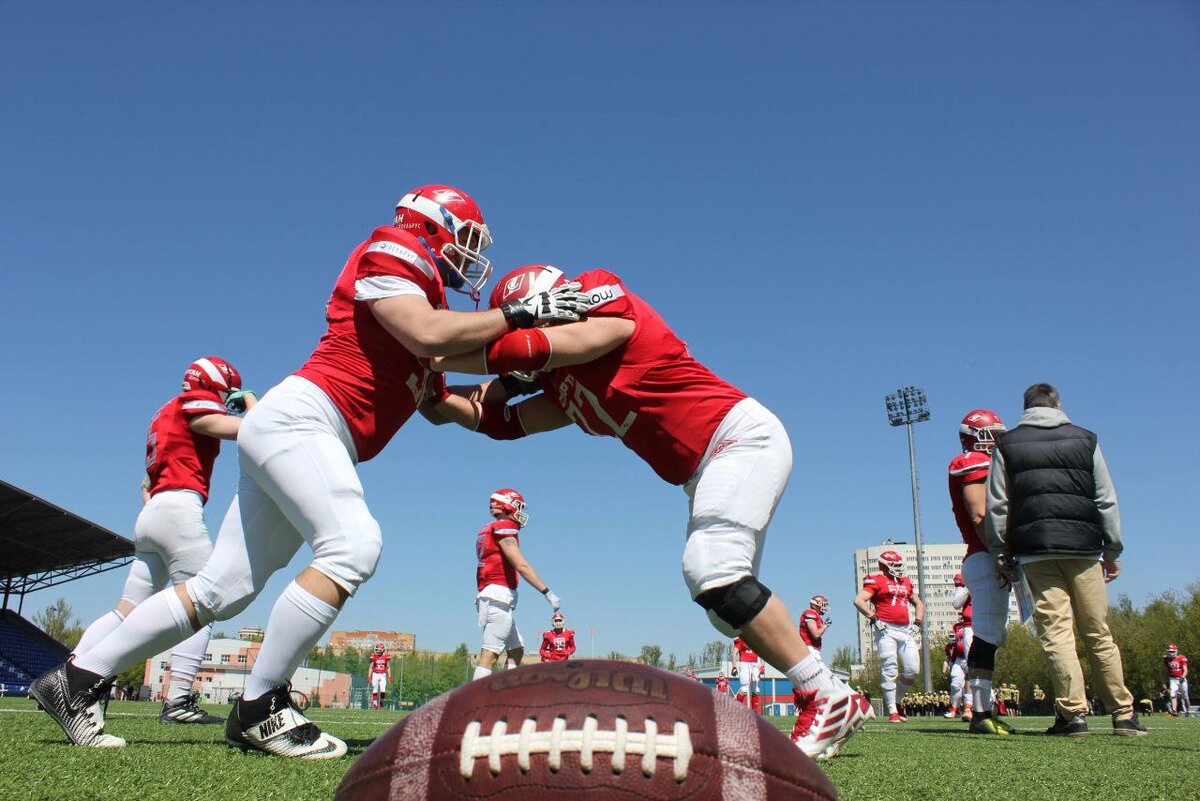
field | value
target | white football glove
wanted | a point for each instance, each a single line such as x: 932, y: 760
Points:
x: 553, y: 600
x: 562, y: 304
x: 914, y: 629
x: 879, y: 625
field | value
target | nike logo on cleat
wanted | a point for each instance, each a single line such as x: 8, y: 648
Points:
x: 270, y: 726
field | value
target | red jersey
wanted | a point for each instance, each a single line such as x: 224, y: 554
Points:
x: 650, y: 393
x: 557, y: 645
x: 964, y: 468
x: 744, y: 652
x: 966, y: 613
x: 723, y: 686
x: 177, y: 457
x: 1175, y: 665
x: 960, y: 640
x: 492, y: 567
x: 890, y: 597
x: 951, y: 649
x: 379, y: 663
x: 809, y: 640
x: 371, y: 378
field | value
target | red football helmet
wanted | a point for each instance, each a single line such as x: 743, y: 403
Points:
x: 958, y: 580
x: 978, y: 430
x: 1172, y: 649
x: 523, y: 282
x: 214, y: 374
x: 379, y: 649
x: 557, y: 620
x: 509, y: 503
x: 449, y: 223
x: 819, y: 604
x: 892, y: 564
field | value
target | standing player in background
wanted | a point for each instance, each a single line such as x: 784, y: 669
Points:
x: 722, y: 685
x: 813, y: 622
x: 298, y: 449
x: 884, y: 600
x: 377, y: 675
x: 1176, y: 665
x: 558, y: 644
x: 987, y: 590
x: 749, y: 670
x: 170, y: 536
x: 624, y: 373
x: 498, y: 562
x: 956, y: 668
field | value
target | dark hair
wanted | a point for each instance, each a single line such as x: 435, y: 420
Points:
x: 1042, y: 394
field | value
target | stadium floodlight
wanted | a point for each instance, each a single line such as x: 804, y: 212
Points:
x: 904, y: 408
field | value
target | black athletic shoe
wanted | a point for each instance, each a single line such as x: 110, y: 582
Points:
x: 1129, y: 727
x: 1074, y: 726
x: 73, y: 698
x: 273, y: 724
x: 186, y: 710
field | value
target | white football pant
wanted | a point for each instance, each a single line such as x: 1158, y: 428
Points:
x: 171, y: 544
x: 748, y: 675
x: 899, y: 662
x: 958, y: 680
x: 298, y: 484
x: 989, y: 598
x: 379, y: 683
x: 499, y: 628
x: 732, y: 497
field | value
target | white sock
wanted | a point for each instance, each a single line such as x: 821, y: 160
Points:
x: 810, y: 675
x: 158, y: 623
x: 511, y: 666
x: 981, y: 694
x: 296, y: 623
x: 889, y: 696
x: 101, y: 627
x: 481, y: 673
x: 185, y: 661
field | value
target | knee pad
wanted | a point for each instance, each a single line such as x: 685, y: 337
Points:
x: 982, y: 655
x: 734, y: 605
x: 352, y: 560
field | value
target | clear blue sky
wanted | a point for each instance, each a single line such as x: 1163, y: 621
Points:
x: 828, y: 201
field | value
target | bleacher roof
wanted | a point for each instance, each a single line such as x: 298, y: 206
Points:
x: 42, y: 544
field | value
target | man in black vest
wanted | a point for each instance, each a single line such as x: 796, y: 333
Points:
x: 1052, y: 511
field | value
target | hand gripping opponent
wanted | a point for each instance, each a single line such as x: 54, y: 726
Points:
x: 562, y: 304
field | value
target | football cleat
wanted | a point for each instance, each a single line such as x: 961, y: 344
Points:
x: 894, y: 718
x: 836, y: 714
x: 186, y: 710
x: 967, y: 714
x: 986, y: 724
x: 78, y: 711
x: 951, y: 713
x: 274, y: 725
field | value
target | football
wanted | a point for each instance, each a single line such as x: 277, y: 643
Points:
x: 590, y: 729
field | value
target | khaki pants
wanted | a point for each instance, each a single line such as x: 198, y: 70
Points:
x: 1070, y: 593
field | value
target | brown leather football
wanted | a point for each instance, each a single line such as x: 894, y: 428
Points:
x: 591, y: 729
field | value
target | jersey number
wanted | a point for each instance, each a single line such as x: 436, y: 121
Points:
x: 574, y: 409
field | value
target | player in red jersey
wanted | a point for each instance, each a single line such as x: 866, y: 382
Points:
x: 722, y: 685
x: 558, y: 644
x: 956, y: 668
x: 1176, y: 665
x: 170, y: 536
x: 498, y: 563
x: 885, y: 599
x: 624, y: 373
x: 298, y: 449
x: 812, y: 629
x: 987, y: 591
x: 749, y: 670
x: 377, y: 674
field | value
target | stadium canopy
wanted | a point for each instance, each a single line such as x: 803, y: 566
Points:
x: 42, y: 545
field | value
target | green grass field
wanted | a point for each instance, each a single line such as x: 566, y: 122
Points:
x: 924, y: 759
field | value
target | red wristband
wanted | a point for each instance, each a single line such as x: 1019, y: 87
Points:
x: 523, y: 350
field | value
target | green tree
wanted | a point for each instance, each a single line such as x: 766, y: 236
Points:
x: 133, y: 678
x: 58, y: 621
x: 715, y: 652
x: 652, y: 655
x: 843, y: 658
x: 672, y: 662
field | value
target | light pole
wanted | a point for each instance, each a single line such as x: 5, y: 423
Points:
x: 904, y: 408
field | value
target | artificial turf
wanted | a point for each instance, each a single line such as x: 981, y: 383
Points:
x: 926, y: 758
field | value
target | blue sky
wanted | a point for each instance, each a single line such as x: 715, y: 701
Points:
x: 828, y: 201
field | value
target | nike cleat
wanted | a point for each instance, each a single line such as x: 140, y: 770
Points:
x: 274, y: 725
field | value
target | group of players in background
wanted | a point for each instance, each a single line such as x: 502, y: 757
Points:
x: 586, y: 351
